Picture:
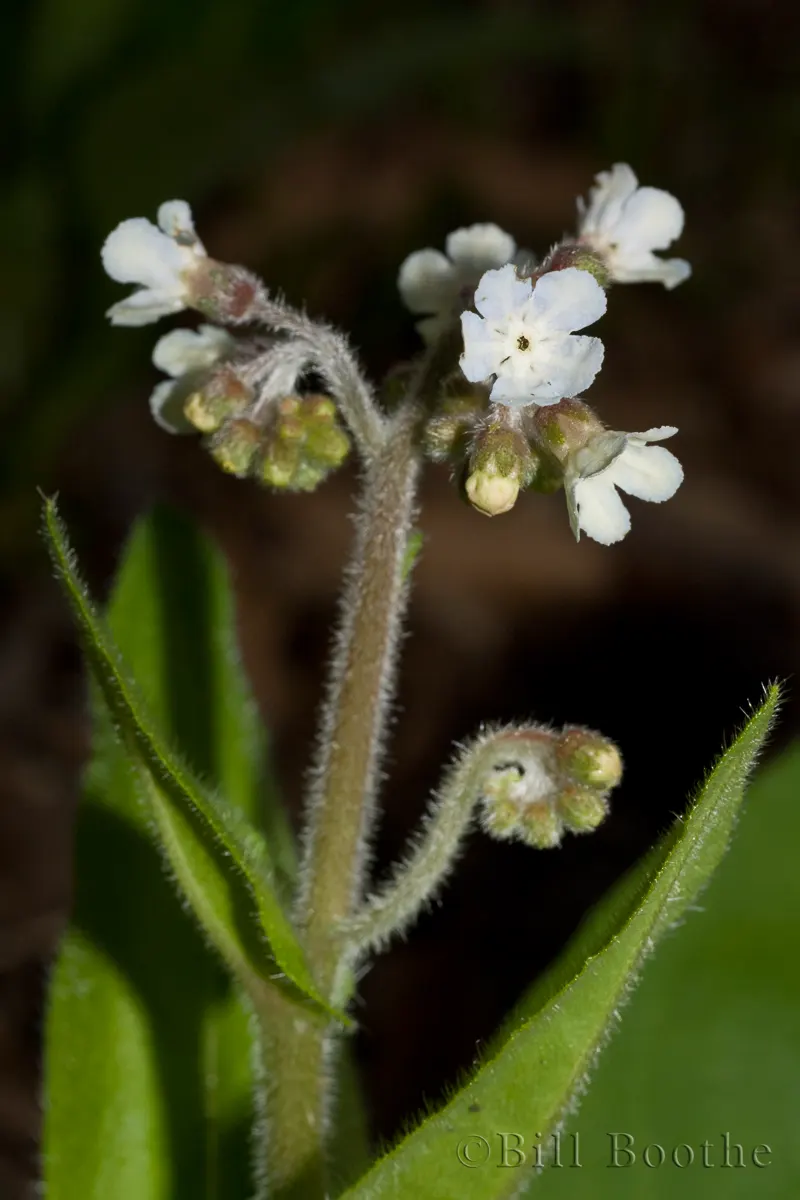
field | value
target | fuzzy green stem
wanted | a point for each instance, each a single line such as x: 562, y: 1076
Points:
x: 341, y: 809
x: 343, y: 796
x: 436, y: 846
x: 342, y: 801
x: 291, y: 1144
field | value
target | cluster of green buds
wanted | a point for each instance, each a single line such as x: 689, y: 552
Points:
x: 551, y: 783
x: 290, y: 444
x: 294, y: 449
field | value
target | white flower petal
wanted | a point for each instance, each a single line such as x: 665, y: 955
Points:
x: 175, y: 219
x: 601, y: 512
x: 481, y: 351
x: 145, y: 306
x: 427, y: 282
x: 184, y: 350
x: 479, y: 247
x: 649, y: 472
x: 658, y: 434
x: 166, y: 405
x: 566, y: 300
x: 514, y: 391
x: 649, y: 268
x: 570, y: 482
x: 626, y: 224
x: 651, y: 219
x: 607, y: 199
x: 501, y: 293
x: 567, y: 365
x: 137, y: 252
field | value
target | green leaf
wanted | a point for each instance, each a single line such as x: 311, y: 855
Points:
x: 540, y: 1062
x: 218, y: 859
x: 146, y: 1038
x: 711, y: 1041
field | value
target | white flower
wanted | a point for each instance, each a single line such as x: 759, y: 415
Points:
x: 186, y: 355
x: 162, y: 258
x: 524, y: 335
x: 621, y: 460
x: 441, y: 285
x: 625, y: 223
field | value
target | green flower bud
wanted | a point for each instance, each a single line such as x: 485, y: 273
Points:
x: 545, y: 783
x: 308, y: 477
x: 204, y: 413
x: 448, y: 429
x: 224, y: 395
x: 560, y: 430
x: 328, y: 444
x: 541, y: 826
x: 503, y: 795
x: 501, y: 463
x: 587, y: 758
x: 235, y: 445
x: 304, y: 443
x: 582, y: 809
x: 279, y: 464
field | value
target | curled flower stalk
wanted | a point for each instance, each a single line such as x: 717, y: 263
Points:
x: 280, y: 399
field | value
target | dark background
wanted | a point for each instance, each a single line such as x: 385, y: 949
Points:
x: 320, y: 143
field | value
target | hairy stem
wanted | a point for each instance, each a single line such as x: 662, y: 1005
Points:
x: 342, y: 800
x: 329, y: 352
x: 298, y: 1051
x: 436, y: 846
x: 342, y: 797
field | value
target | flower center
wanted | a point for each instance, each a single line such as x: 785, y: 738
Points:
x: 523, y: 343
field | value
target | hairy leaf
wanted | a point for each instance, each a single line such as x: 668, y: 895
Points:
x: 217, y: 857
x: 540, y: 1062
x: 149, y: 1088
x: 711, y: 1040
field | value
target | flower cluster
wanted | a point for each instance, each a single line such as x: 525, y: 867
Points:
x: 241, y: 394
x: 549, y: 783
x: 521, y: 346
x: 508, y: 413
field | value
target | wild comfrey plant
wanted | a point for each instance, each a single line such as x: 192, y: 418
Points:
x: 279, y: 397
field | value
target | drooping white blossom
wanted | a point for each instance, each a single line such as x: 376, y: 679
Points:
x: 524, y: 335
x: 441, y: 285
x: 185, y: 355
x: 618, y: 460
x: 162, y: 258
x: 625, y: 224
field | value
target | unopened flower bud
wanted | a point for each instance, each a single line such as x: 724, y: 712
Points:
x: 449, y: 428
x: 304, y: 443
x: 327, y: 443
x: 581, y: 808
x: 541, y: 826
x: 223, y: 396
x: 560, y: 430
x: 545, y: 783
x: 279, y: 464
x: 491, y: 494
x: 588, y: 758
x: 500, y: 464
x: 235, y: 445
x: 504, y: 792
